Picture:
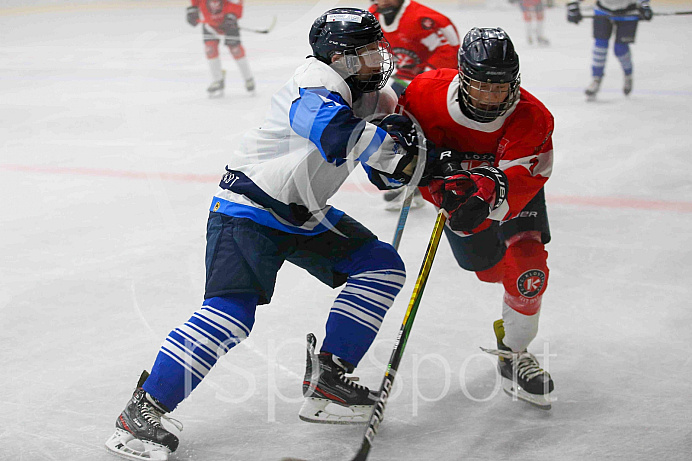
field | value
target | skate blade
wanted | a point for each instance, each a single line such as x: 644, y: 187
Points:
x: 124, y: 444
x: 544, y: 402
x: 325, y: 411
x: 215, y: 94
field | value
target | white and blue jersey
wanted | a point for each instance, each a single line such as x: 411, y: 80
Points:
x: 313, y: 136
x: 617, y: 10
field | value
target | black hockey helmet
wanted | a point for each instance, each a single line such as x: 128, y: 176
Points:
x: 487, y: 56
x: 348, y: 31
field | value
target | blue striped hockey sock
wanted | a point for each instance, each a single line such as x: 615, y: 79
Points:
x: 622, y: 51
x: 600, y: 52
x: 376, y: 276
x: 192, y: 349
x: 358, y: 311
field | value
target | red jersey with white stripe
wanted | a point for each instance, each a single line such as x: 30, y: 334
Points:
x: 519, y: 143
x: 213, y: 11
x: 421, y: 39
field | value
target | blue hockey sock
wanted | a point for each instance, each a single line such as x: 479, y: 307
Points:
x: 622, y: 51
x: 192, y: 349
x: 600, y: 52
x: 376, y: 275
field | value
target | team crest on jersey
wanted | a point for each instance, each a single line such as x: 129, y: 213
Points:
x: 405, y: 59
x: 427, y: 23
x: 215, y: 6
x: 530, y: 283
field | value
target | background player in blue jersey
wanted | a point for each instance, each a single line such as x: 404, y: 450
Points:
x: 271, y: 207
x: 621, y: 15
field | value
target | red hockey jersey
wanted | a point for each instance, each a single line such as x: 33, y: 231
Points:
x: 421, y: 39
x: 213, y: 11
x: 519, y: 143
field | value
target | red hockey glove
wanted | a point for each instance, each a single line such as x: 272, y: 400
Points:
x: 469, y: 196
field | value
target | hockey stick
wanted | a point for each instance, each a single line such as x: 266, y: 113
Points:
x: 401, y: 340
x: 243, y: 28
x: 673, y: 13
x: 400, y: 344
x: 410, y: 190
x: 260, y: 31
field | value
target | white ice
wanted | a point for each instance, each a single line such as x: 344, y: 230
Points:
x: 110, y: 152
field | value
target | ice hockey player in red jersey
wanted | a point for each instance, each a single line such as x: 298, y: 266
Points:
x: 533, y: 19
x: 219, y: 20
x: 421, y: 39
x: 494, y: 139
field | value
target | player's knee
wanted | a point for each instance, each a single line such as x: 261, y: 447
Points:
x: 601, y: 43
x: 211, y: 48
x: 236, y: 48
x: 526, y: 275
x: 621, y: 49
x: 493, y: 275
x: 375, y: 255
x: 234, y: 314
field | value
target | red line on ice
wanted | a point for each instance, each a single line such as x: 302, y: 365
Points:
x: 600, y: 202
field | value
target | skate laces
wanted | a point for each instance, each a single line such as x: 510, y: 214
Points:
x: 350, y: 381
x: 153, y: 415
x: 525, y: 363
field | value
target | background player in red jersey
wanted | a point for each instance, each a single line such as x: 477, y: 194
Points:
x: 421, y: 39
x: 220, y: 20
x: 533, y: 19
x: 495, y: 140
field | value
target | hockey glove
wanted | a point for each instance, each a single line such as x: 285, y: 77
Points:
x: 574, y: 13
x: 402, y: 130
x: 193, y: 15
x: 645, y: 10
x: 229, y: 26
x: 468, y: 196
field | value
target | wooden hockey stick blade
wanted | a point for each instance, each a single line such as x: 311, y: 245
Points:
x: 401, y: 340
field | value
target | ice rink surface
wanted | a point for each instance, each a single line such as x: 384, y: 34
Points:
x: 110, y: 152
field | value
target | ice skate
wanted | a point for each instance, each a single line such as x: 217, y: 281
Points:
x: 393, y: 199
x: 522, y: 376
x: 216, y: 88
x: 593, y: 88
x: 250, y: 85
x: 330, y: 396
x: 542, y: 41
x: 138, y: 430
x: 627, y: 88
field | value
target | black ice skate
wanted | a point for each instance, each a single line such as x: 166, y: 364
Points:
x: 627, y: 88
x: 138, y: 430
x: 330, y: 396
x: 593, y: 88
x: 250, y: 85
x: 522, y: 377
x: 216, y: 88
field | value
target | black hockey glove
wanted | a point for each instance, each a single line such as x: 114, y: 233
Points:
x: 645, y: 10
x: 468, y: 196
x: 193, y: 15
x: 574, y: 13
x: 229, y: 26
x: 402, y: 130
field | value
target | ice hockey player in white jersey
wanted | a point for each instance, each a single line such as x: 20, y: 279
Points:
x: 271, y: 207
x: 623, y: 16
